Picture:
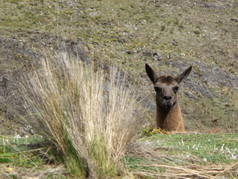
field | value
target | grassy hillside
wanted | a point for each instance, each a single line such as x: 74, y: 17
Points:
x: 166, y: 34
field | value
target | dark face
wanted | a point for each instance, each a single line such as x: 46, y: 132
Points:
x: 166, y: 88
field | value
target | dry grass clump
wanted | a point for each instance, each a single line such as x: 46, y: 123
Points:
x: 92, y: 118
x: 192, y: 171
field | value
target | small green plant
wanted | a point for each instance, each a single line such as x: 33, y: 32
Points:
x: 103, y: 161
x: 150, y: 132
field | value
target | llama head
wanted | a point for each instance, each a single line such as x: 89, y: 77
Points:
x: 166, y: 87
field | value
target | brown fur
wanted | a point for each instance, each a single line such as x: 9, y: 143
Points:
x: 170, y: 120
x: 169, y: 116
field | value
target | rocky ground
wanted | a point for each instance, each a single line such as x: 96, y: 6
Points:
x: 168, y: 35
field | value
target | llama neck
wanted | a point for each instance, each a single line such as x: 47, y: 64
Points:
x: 163, y: 114
x: 170, y: 120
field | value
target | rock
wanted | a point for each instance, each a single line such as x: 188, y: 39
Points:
x: 130, y: 52
x: 168, y: 56
x: 234, y: 19
x: 154, y: 55
x: 175, y: 43
x: 157, y: 56
x: 148, y: 53
x: 190, y: 95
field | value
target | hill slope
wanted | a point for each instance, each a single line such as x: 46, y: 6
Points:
x: 168, y: 35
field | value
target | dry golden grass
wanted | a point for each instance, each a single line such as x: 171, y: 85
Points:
x: 92, y: 118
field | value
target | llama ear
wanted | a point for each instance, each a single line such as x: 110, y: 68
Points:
x: 183, y: 75
x: 151, y: 74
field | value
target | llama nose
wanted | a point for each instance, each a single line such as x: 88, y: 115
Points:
x: 167, y: 97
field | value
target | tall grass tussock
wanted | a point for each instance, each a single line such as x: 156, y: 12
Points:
x: 91, y: 117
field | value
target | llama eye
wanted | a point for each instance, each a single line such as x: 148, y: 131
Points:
x: 175, y: 89
x: 157, y: 89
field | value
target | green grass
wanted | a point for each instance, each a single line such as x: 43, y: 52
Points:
x: 19, y: 152
x: 185, y: 152
x: 173, y: 150
x: 26, y: 156
x: 209, y: 148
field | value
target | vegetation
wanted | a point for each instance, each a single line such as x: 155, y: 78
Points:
x: 83, y: 115
x: 187, y: 155
x: 165, y: 155
x: 115, y: 35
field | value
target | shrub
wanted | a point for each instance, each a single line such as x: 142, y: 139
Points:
x: 91, y: 117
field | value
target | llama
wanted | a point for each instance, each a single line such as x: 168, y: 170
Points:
x: 168, y: 113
